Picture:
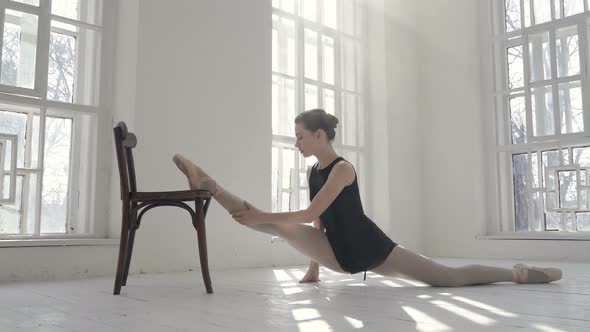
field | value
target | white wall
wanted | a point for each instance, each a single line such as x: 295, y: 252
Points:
x: 394, y: 139
x: 454, y: 194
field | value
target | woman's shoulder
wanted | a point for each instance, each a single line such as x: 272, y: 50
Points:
x: 344, y: 170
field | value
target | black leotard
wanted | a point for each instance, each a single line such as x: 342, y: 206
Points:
x: 358, y: 244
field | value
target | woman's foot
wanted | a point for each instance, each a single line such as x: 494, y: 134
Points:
x: 312, y: 275
x: 197, y: 178
x: 524, y: 274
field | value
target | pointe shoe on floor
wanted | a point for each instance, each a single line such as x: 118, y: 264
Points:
x: 524, y: 274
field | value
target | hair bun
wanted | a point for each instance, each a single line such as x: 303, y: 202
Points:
x: 331, y: 120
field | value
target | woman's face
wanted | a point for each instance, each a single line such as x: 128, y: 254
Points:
x: 306, y: 141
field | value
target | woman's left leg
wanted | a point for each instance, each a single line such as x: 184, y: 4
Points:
x: 306, y: 239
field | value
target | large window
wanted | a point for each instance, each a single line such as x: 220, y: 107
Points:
x: 542, y: 101
x: 49, y: 111
x: 317, y: 57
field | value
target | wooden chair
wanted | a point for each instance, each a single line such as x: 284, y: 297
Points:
x: 136, y: 204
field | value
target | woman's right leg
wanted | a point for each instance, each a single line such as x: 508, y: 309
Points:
x: 415, y: 266
x: 306, y: 239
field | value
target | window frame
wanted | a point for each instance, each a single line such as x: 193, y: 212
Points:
x: 80, y: 211
x: 301, y: 80
x: 501, y: 141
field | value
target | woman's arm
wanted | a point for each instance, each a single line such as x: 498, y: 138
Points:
x: 341, y: 176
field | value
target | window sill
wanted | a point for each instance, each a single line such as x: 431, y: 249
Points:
x: 560, y: 236
x: 15, y: 243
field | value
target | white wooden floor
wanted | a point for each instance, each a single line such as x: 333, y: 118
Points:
x: 270, y: 299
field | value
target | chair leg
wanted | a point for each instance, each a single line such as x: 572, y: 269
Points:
x: 202, y: 243
x: 129, y: 253
x: 122, y: 249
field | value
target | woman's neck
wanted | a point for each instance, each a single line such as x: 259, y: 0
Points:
x: 326, y: 157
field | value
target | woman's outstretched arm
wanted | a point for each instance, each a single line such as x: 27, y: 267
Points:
x: 341, y: 176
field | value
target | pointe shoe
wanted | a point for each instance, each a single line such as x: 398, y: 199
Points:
x: 524, y: 274
x: 197, y: 178
x: 180, y: 162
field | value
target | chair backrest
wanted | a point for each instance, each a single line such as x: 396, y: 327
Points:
x: 125, y: 141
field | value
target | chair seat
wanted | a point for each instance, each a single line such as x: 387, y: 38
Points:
x: 181, y: 195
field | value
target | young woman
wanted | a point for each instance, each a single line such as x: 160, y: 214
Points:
x: 343, y: 238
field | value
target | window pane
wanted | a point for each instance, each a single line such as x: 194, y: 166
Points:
x: 349, y: 119
x: 518, y: 120
x: 527, y: 14
x: 572, y: 7
x: 542, y: 11
x: 535, y: 170
x: 349, y: 60
x: 328, y: 59
x: 512, y: 15
x: 19, y: 49
x: 310, y: 9
x: 303, y: 199
x: 56, y: 171
x: 288, y: 168
x: 537, y: 212
x: 81, y: 10
x: 348, y: 17
x: 275, y: 50
x: 311, y: 54
x: 31, y: 204
x: 65, y: 8
x: 553, y: 221
x: 568, y: 52
x: 35, y: 143
x: 520, y: 168
x: 286, y: 5
x: 10, y: 214
x: 583, y: 221
x: 543, y: 115
x: 284, y: 45
x: 568, y: 195
x: 515, y: 67
x: 15, y: 124
x: 328, y: 100
x: 286, y: 202
x: 28, y: 2
x: 311, y: 97
x: 62, y: 57
x: 73, y: 64
x: 330, y: 18
x: 283, y: 103
x: 540, y: 60
x: 581, y: 156
x: 274, y: 179
x: 570, y: 108
x: 550, y: 160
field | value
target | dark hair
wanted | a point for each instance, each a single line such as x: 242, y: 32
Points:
x: 318, y: 119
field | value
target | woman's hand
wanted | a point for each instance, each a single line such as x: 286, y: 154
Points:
x: 250, y: 216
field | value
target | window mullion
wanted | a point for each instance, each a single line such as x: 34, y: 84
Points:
x: 27, y: 177
x: 584, y: 58
x: 43, y: 39
x: 3, y: 4
x: 554, y: 89
x: 41, y: 166
x: 527, y: 88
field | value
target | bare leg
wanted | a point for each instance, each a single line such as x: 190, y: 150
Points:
x: 306, y: 239
x: 415, y: 266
